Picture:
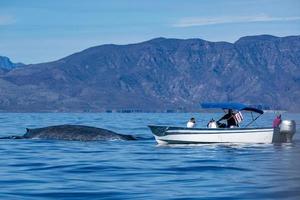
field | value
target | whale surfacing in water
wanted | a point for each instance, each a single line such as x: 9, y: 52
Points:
x: 72, y: 132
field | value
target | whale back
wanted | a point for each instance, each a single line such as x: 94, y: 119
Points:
x: 75, y: 132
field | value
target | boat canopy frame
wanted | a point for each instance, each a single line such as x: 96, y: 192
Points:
x: 235, y: 106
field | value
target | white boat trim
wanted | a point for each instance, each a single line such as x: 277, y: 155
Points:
x: 218, y: 131
x: 177, y: 135
x: 261, y: 137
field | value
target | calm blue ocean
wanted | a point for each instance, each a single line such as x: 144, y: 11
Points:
x: 40, y: 169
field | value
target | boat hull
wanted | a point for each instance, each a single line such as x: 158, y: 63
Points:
x: 178, y: 135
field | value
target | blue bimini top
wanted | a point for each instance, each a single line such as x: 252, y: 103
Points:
x: 231, y: 105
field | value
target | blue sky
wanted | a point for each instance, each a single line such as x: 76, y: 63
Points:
x: 34, y: 31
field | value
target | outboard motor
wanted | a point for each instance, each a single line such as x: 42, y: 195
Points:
x: 288, y: 129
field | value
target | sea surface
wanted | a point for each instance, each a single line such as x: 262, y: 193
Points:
x: 49, y: 169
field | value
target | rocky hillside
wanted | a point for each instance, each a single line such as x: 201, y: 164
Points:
x: 161, y: 74
x: 6, y: 64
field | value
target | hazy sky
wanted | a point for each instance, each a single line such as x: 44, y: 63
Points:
x: 33, y: 31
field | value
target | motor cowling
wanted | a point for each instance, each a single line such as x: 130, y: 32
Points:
x: 288, y: 128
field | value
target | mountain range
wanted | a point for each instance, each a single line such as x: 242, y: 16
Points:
x: 158, y: 75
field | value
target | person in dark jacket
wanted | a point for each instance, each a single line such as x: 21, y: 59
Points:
x: 229, y: 117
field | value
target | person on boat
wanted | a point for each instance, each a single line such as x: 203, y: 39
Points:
x: 277, y: 121
x: 229, y: 117
x: 212, y: 124
x: 191, y: 123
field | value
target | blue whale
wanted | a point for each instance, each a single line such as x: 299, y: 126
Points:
x: 71, y: 132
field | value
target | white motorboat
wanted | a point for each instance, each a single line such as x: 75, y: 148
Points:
x: 183, y: 135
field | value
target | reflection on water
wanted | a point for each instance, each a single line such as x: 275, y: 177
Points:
x: 41, y: 169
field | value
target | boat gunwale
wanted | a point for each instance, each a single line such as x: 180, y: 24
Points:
x: 211, y: 129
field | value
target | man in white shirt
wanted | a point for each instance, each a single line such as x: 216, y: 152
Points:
x: 191, y: 123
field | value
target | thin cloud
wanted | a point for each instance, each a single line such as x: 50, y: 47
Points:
x: 6, y: 20
x: 197, y: 21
